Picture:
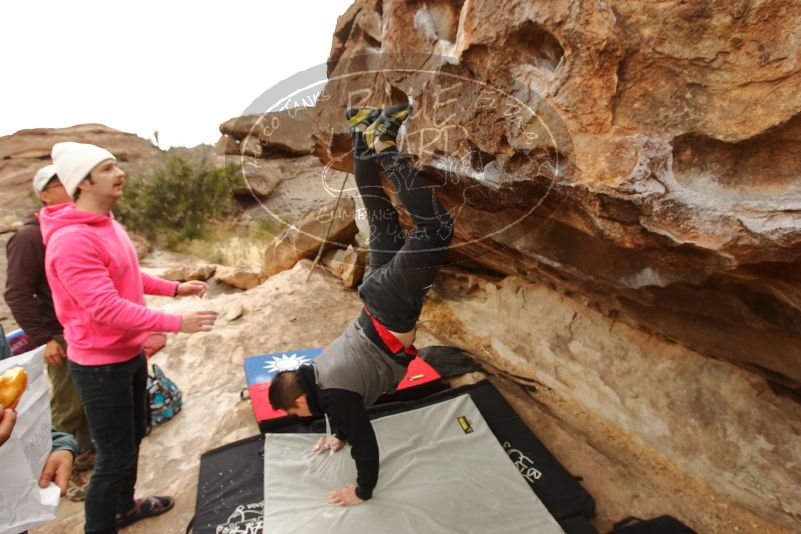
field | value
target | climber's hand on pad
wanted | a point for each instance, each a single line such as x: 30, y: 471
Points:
x: 324, y: 444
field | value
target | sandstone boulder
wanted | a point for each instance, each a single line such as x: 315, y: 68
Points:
x: 282, y: 133
x: 348, y: 264
x: 247, y: 146
x: 305, y: 239
x: 197, y: 271
x: 596, y: 147
x: 303, y: 184
x: 237, y: 276
x: 689, y: 413
x: 261, y: 177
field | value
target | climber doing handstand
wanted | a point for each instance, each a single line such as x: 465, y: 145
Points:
x: 372, y: 355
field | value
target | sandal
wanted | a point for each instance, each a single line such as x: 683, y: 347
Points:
x: 144, y: 508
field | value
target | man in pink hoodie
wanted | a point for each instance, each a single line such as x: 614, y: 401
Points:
x: 98, y: 293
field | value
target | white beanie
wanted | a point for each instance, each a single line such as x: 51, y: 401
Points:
x: 43, y: 177
x: 74, y: 162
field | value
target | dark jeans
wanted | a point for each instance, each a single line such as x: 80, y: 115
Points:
x: 114, y: 398
x: 403, y: 264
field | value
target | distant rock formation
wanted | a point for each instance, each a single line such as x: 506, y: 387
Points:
x: 24, y: 152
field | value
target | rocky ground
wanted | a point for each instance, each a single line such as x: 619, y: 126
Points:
x: 285, y: 312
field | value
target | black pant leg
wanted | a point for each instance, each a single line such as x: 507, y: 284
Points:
x: 394, y: 294
x: 386, y: 233
x: 140, y: 398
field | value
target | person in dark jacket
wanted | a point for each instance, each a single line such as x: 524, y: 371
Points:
x: 31, y: 301
x: 58, y: 466
x: 372, y: 355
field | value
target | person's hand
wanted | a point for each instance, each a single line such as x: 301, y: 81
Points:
x: 192, y: 287
x: 58, y: 469
x: 8, y: 418
x: 197, y: 321
x: 323, y: 444
x: 54, y: 354
x: 344, y: 496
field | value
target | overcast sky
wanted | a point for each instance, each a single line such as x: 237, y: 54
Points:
x: 175, y: 66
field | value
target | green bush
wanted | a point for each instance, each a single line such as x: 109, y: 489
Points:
x: 178, y: 201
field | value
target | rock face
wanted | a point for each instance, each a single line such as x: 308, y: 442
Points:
x: 288, y: 132
x: 626, y: 152
x: 24, y: 152
x: 704, y: 416
x: 641, y: 160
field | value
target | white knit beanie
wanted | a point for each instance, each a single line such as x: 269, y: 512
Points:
x: 74, y: 162
x: 43, y: 177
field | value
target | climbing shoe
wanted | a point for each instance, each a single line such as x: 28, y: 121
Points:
x: 386, y: 126
x: 357, y: 116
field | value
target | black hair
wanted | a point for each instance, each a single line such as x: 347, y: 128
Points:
x: 285, y: 390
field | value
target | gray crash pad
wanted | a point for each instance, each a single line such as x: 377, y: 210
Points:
x: 442, y: 471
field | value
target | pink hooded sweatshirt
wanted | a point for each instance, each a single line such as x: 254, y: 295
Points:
x: 98, y: 289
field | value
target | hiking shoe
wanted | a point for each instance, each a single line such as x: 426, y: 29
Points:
x: 357, y: 116
x: 386, y: 126
x: 85, y: 461
x: 144, y: 508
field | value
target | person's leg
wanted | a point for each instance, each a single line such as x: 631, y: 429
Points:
x: 395, y: 294
x: 107, y: 395
x: 386, y: 232
x: 139, y: 399
x: 131, y: 510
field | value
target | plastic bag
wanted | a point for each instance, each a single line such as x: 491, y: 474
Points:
x: 23, y: 504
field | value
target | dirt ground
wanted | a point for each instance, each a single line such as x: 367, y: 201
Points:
x: 289, y: 312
